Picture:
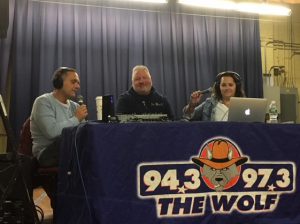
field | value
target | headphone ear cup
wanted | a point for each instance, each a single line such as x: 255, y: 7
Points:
x: 238, y: 80
x: 216, y: 83
x: 218, y: 79
x: 58, y: 81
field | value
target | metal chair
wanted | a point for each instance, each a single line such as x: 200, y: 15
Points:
x: 44, y: 177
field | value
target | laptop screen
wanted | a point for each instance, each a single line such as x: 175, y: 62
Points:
x: 247, y: 109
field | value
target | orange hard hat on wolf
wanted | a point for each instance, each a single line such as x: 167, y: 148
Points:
x: 220, y: 157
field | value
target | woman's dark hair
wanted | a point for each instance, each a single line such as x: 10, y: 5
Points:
x: 239, y: 92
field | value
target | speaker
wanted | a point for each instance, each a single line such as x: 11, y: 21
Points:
x: 288, y: 104
x: 108, y: 107
x: 4, y: 17
x: 105, y: 108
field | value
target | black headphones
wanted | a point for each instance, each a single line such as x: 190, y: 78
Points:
x: 58, y: 76
x: 234, y: 75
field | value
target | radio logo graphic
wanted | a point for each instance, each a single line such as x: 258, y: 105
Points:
x: 220, y: 175
x: 219, y: 163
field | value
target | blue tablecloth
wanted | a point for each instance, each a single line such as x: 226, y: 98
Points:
x: 143, y: 173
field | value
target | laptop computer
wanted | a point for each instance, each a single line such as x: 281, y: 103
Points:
x: 247, y: 109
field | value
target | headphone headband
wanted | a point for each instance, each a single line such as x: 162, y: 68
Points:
x: 236, y: 76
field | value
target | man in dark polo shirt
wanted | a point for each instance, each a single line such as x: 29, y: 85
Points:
x: 142, y: 97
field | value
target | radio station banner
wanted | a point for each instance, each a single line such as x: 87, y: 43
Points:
x: 173, y: 173
x: 222, y: 178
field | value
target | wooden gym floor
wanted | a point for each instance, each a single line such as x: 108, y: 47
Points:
x: 41, y: 199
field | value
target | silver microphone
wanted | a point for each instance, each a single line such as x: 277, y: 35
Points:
x: 80, y: 99
x: 209, y: 90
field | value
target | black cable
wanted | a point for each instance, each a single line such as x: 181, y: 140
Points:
x: 6, y: 168
x: 41, y: 212
x: 79, y: 169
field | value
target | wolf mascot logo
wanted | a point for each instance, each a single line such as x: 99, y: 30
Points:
x: 220, y: 163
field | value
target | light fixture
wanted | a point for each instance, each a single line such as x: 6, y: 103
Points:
x: 151, y: 1
x: 216, y: 4
x: 147, y: 1
x: 262, y: 8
